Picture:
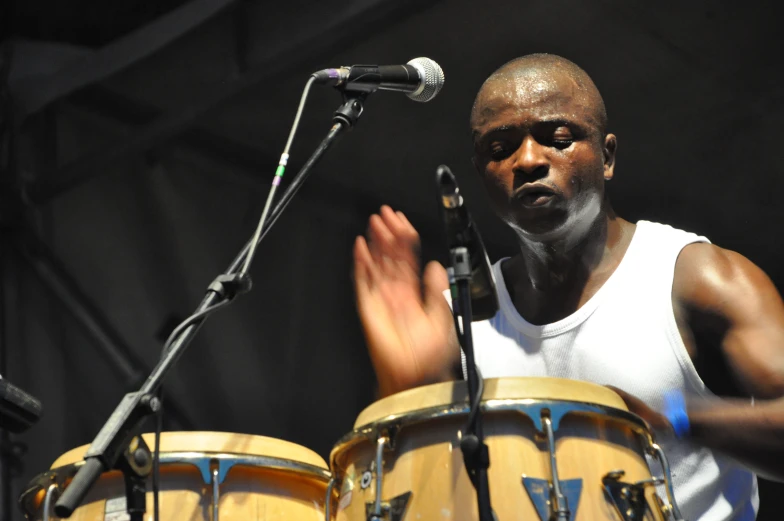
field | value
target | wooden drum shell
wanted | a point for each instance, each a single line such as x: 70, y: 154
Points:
x: 425, y: 458
x: 268, y: 479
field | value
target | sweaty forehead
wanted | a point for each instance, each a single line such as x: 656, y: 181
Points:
x: 538, y: 93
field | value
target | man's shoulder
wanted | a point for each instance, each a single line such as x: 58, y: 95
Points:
x: 709, y: 277
x: 669, y: 230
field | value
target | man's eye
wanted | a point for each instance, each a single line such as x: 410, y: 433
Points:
x: 562, y: 138
x: 498, y: 151
x: 562, y: 143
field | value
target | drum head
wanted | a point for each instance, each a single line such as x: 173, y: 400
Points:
x: 444, y: 394
x: 216, y: 443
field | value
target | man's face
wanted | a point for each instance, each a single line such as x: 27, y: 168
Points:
x: 538, y: 148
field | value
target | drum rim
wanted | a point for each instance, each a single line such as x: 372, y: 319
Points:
x: 58, y: 476
x: 394, y: 422
x: 495, y: 388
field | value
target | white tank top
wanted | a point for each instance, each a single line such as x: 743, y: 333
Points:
x: 626, y: 336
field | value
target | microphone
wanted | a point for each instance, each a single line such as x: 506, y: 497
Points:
x: 18, y: 410
x: 421, y: 78
x: 462, y: 232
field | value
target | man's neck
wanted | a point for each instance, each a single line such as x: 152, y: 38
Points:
x: 551, y: 279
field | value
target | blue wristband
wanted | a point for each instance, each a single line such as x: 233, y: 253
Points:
x: 675, y: 411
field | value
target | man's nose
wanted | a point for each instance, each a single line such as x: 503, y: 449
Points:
x: 531, y: 159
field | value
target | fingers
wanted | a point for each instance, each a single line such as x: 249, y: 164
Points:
x: 399, y: 225
x: 390, y: 234
x: 381, y: 272
x: 364, y: 266
x: 386, y: 264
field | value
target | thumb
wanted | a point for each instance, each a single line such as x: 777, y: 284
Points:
x: 436, y: 282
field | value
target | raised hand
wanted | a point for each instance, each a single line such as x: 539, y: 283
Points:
x: 408, y: 325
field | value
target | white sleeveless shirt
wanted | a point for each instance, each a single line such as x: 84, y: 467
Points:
x: 626, y: 336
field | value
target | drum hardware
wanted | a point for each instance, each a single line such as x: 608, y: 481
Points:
x: 375, y: 512
x: 560, y: 503
x: 531, y: 409
x: 215, y: 493
x: 328, y: 500
x: 552, y: 497
x: 628, y: 498
x: 204, y: 463
x: 50, y: 493
x: 670, y: 508
x: 541, y: 493
x: 215, y: 468
x: 366, y: 480
x: 394, y: 509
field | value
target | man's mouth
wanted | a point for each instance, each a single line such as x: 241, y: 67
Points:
x: 534, y: 195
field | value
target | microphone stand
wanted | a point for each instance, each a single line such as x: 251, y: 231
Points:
x: 476, y: 456
x: 115, y: 437
x: 463, y: 239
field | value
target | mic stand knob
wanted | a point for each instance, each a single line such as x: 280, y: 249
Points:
x: 136, y: 465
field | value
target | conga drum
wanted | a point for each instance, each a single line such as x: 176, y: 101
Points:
x: 559, y: 449
x: 204, y: 476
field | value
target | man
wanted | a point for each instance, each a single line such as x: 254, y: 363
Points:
x: 647, y: 309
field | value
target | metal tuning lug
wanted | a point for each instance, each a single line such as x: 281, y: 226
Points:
x: 328, y: 500
x: 552, y: 497
x: 541, y: 493
x: 215, y: 480
x: 375, y: 512
x: 628, y: 498
x: 393, y: 510
x: 51, y: 495
x: 670, y: 508
x: 559, y: 499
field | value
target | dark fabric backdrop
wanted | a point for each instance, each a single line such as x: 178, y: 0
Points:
x: 693, y: 93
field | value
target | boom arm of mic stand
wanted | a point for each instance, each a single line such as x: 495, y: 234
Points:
x: 115, y: 435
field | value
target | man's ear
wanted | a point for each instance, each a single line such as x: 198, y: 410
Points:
x: 609, y: 149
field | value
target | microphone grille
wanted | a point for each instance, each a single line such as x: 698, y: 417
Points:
x: 432, y: 79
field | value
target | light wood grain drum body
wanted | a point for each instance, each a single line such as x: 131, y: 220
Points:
x: 416, y: 437
x: 257, y: 478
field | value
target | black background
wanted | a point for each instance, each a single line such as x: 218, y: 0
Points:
x: 142, y: 160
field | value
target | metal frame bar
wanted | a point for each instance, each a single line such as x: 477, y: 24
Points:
x: 31, y: 97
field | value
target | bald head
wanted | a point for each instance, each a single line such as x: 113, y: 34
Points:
x: 529, y: 78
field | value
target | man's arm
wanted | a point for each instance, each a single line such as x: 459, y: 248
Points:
x: 747, y: 315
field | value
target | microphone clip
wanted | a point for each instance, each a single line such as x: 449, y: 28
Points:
x: 460, y: 263
x: 351, y: 109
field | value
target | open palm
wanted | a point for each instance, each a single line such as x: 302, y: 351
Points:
x: 407, y: 322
